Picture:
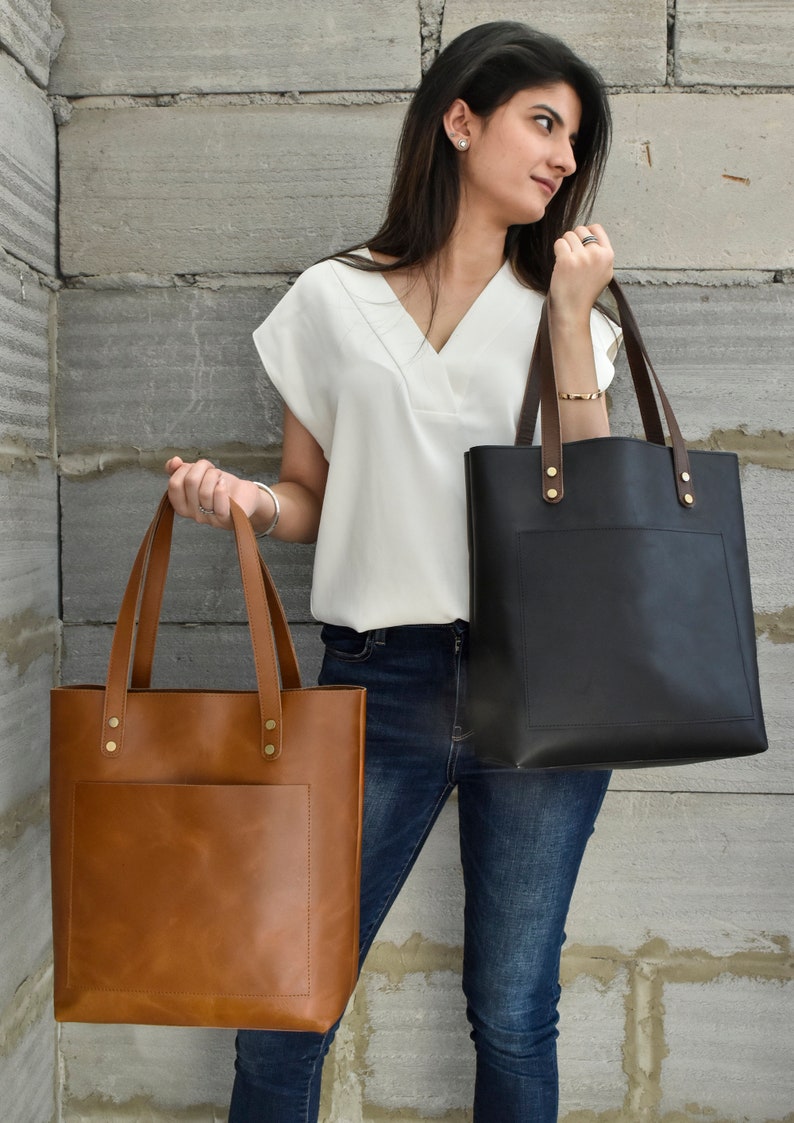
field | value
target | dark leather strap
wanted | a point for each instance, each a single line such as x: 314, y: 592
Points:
x: 541, y: 391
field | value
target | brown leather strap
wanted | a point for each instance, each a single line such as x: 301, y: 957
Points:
x: 528, y: 416
x: 149, y: 620
x: 150, y: 568
x: 541, y: 392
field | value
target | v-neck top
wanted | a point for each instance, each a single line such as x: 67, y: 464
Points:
x: 394, y: 417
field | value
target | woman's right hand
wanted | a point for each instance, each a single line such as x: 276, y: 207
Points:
x: 581, y: 273
x: 200, y: 491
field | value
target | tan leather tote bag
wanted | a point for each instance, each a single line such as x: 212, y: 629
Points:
x: 206, y: 845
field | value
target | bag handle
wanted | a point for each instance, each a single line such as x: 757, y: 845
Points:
x: 541, y: 391
x: 149, y: 619
x: 145, y: 586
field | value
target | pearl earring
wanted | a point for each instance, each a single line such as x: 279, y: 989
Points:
x: 463, y: 144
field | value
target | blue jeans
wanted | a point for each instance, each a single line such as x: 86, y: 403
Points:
x: 522, y: 837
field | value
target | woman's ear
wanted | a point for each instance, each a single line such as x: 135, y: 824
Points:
x: 458, y: 121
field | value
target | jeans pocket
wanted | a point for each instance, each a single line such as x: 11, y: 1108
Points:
x: 346, y: 644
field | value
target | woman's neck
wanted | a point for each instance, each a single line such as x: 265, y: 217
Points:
x: 473, y: 253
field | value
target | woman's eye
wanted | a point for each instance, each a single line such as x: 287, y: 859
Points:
x: 545, y: 123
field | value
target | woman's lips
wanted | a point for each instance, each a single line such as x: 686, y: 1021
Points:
x: 548, y: 184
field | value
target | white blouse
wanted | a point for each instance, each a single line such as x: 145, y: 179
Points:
x: 394, y: 418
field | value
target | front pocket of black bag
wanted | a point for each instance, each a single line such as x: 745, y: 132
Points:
x: 190, y: 889
x: 629, y: 626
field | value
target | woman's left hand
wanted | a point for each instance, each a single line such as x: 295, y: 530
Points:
x: 581, y: 272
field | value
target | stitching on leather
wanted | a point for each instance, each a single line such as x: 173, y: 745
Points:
x: 198, y: 993
x: 309, y: 887
x: 71, y: 891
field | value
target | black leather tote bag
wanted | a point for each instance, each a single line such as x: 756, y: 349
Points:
x: 611, y: 617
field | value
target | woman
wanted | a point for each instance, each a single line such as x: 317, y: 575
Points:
x: 393, y: 358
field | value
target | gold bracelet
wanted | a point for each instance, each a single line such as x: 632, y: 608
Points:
x: 580, y: 397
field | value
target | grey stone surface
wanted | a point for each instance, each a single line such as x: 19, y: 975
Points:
x: 28, y: 1072
x: 27, y: 169
x: 106, y: 517
x: 696, y: 181
x: 272, y: 188
x: 221, y: 188
x: 147, y: 47
x: 28, y: 544
x: 24, y: 358
x: 741, y: 1071
x: 705, y: 872
x: 25, y: 921
x: 25, y: 32
x: 419, y: 1059
x: 28, y: 628
x: 24, y: 730
x: 591, y: 1060
x: 156, y: 368
x: 768, y: 498
x: 723, y: 356
x: 627, y: 42
x: 171, y: 1068
x: 700, y: 871
x: 733, y: 42
x: 212, y: 656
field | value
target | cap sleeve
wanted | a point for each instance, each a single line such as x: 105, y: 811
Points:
x: 606, y: 336
x: 298, y: 349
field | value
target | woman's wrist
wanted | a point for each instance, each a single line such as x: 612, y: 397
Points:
x: 270, y: 516
x: 572, y: 348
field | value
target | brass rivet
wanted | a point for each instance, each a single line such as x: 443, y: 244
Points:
x: 111, y: 747
x: 689, y: 498
x: 270, y: 724
x: 551, y: 493
x: 113, y: 722
x: 551, y: 471
x: 269, y: 750
x: 685, y: 476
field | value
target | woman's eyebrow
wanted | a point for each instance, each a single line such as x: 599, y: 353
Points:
x: 552, y: 112
x: 555, y: 115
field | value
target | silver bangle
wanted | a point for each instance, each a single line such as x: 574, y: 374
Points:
x: 276, y: 516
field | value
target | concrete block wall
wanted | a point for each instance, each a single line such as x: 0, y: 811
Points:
x: 29, y: 629
x: 206, y: 156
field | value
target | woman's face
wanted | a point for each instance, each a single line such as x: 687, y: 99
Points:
x: 518, y: 157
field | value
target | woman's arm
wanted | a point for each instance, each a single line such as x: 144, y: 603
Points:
x: 580, y: 275
x: 300, y: 489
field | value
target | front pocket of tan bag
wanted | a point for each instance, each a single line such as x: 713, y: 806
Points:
x: 629, y: 626
x: 190, y: 889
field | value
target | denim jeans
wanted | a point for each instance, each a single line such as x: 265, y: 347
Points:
x: 522, y: 837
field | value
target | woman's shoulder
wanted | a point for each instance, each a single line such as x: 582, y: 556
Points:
x: 318, y: 284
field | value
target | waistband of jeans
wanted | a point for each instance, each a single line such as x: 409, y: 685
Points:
x: 382, y: 635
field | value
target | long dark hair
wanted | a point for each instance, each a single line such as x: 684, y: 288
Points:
x: 486, y: 66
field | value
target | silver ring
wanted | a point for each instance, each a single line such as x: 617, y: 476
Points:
x: 590, y: 238
x: 205, y: 511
